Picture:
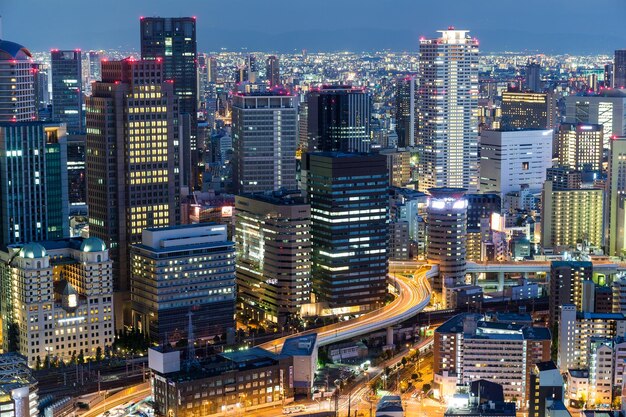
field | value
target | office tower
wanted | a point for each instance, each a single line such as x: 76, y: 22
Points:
x: 608, y: 76
x: 339, y: 119
x: 201, y: 284
x: 510, y: 159
x: 212, y: 69
x: 447, y: 236
x: 566, y: 284
x: 273, y: 235
x: 398, y: 166
x: 33, y: 180
x: 577, y: 330
x: 253, y: 70
x: 533, y: 77
x: 132, y: 160
x: 617, y: 198
x: 580, y: 146
x: 619, y: 69
x: 40, y: 85
x: 406, y: 111
x: 173, y: 40
x: 528, y: 110
x: 349, y: 235
x: 77, y: 180
x: 264, y: 139
x: 607, y: 108
x: 19, y: 387
x: 570, y: 217
x: 70, y: 280
x: 303, y: 126
x: 95, y: 71
x: 67, y: 89
x: 546, y: 387
x: 16, y: 83
x: 467, y: 348
x: 272, y: 72
x: 448, y: 106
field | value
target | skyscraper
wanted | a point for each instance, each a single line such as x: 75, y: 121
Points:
x: 406, y: 113
x: 619, y: 69
x: 132, y: 160
x: 580, y: 146
x: 273, y: 235
x: 212, y: 68
x: 16, y: 83
x: 173, y: 40
x: 264, y: 139
x: 349, y: 235
x: 617, y: 198
x: 339, y: 119
x: 40, y: 86
x: 33, y: 180
x: 448, y: 105
x: 67, y: 89
x: 272, y: 72
x: 528, y: 110
x: 607, y: 108
x: 533, y: 78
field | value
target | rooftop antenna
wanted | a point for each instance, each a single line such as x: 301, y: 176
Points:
x: 191, y: 348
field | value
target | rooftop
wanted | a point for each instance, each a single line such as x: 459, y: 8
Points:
x: 11, y: 50
x: 300, y: 345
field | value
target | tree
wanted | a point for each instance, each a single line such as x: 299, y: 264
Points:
x: 426, y: 388
x: 404, y: 361
x: 46, y: 362
x: 387, y: 370
x: 73, y: 358
x: 98, y: 354
x: 81, y: 357
x: 38, y: 363
x: 414, y: 376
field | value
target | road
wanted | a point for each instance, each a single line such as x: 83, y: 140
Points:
x: 413, y: 296
x: 130, y: 394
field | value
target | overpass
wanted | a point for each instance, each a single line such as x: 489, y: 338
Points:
x: 413, y: 297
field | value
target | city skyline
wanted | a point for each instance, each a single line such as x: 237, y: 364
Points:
x: 502, y: 27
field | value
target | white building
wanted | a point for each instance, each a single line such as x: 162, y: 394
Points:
x: 448, y: 111
x: 57, y: 299
x: 510, y: 159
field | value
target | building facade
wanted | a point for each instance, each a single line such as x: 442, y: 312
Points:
x: 180, y: 271
x: 273, y: 235
x: 67, y: 89
x: 57, y: 299
x: 448, y: 111
x: 348, y: 194
x: 406, y: 110
x: 17, y: 95
x: 580, y: 146
x: 528, y: 110
x: 617, y: 198
x: 264, y: 140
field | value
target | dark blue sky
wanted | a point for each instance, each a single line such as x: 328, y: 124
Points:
x: 573, y: 26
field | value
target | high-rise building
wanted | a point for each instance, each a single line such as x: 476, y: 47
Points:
x: 619, y: 69
x: 173, y: 41
x: 95, y: 70
x: 349, y: 235
x: 607, y: 108
x: 212, y: 69
x: 16, y: 83
x: 273, y: 235
x: 580, y: 146
x: 264, y: 140
x: 480, y: 208
x: 546, y: 387
x: 77, y: 180
x: 447, y: 237
x: 33, y: 180
x: 398, y: 166
x: 510, y: 159
x: 533, y: 77
x: 448, y: 111
x: 40, y: 85
x: 564, y: 178
x: 570, y: 217
x: 406, y: 111
x: 181, y: 270
x: 566, y: 284
x: 67, y: 89
x: 132, y: 160
x: 272, y: 72
x: 339, y: 119
x: 528, y: 110
x: 608, y: 76
x: 617, y: 198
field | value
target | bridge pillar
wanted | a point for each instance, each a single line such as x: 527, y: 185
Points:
x: 390, y: 336
x: 500, y: 281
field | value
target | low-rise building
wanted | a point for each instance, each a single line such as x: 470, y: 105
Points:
x: 18, y: 388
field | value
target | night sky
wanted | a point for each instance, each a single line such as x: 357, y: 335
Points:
x: 551, y: 26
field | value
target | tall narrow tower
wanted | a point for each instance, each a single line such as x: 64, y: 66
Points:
x: 448, y: 105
